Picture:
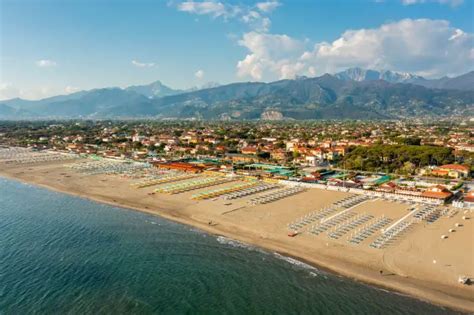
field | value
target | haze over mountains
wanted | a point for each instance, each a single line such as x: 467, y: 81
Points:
x: 352, y: 94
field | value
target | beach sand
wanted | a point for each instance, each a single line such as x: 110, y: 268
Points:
x: 420, y: 263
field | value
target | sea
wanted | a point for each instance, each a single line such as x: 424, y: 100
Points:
x: 61, y: 254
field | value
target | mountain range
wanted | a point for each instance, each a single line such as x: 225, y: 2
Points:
x: 462, y: 82
x: 352, y: 94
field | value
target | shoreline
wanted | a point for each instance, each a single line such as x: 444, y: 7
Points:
x: 406, y: 286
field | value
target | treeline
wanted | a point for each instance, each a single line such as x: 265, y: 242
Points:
x: 396, y: 158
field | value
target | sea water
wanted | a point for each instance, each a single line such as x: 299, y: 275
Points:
x: 63, y: 254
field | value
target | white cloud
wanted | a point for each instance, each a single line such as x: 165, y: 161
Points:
x: 256, y: 21
x: 453, y: 3
x: 425, y: 47
x: 45, y: 63
x: 254, y: 16
x: 429, y: 47
x: 269, y: 54
x: 199, y: 74
x: 268, y: 6
x: 212, y: 8
x: 143, y: 64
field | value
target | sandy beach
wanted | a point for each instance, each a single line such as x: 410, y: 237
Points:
x: 420, y: 263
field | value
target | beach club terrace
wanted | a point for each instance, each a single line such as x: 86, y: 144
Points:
x: 179, y: 166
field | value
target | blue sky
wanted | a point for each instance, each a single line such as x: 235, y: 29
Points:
x: 51, y: 47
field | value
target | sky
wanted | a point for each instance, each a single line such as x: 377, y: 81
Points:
x: 51, y: 47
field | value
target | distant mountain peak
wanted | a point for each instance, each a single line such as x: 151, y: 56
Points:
x: 155, y: 89
x: 208, y: 85
x: 360, y: 74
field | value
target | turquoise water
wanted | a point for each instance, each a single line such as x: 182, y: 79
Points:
x: 61, y: 254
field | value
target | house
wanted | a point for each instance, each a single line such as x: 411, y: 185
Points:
x: 332, y: 155
x: 340, y: 150
x: 465, y: 147
x: 312, y: 160
x: 278, y: 155
x: 138, y: 138
x: 318, y: 153
x: 452, y: 170
x: 249, y: 150
x: 220, y: 148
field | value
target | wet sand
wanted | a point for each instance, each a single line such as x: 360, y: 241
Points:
x: 408, y: 265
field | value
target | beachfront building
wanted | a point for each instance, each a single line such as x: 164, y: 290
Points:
x: 437, y: 192
x: 469, y: 200
x: 179, y: 166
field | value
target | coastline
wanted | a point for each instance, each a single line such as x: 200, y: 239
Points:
x: 423, y: 290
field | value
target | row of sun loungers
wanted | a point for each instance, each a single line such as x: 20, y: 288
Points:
x: 318, y: 229
x: 349, y: 225
x: 367, y: 231
x: 277, y: 195
x: 302, y: 222
x: 429, y: 214
x: 150, y: 173
x: 195, y: 184
x: 46, y: 157
x: 351, y: 201
x: 449, y: 212
x: 311, y: 218
x: 399, y: 199
x: 110, y: 167
x: 28, y: 156
x: 222, y: 191
x: 249, y: 191
x: 388, y: 237
x: 163, y: 179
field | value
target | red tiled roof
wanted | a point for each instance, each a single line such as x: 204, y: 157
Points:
x: 456, y: 167
x: 437, y: 195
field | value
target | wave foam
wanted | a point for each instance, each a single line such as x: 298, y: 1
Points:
x: 314, y: 271
x: 234, y: 243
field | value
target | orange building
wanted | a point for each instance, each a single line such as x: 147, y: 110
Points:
x: 452, y: 170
